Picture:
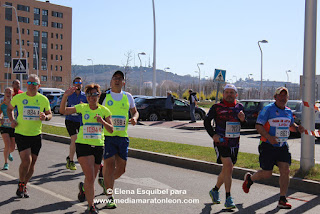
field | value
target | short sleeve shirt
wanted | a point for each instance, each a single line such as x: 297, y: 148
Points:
x: 276, y: 122
x: 29, y: 108
x: 91, y: 132
x: 73, y: 100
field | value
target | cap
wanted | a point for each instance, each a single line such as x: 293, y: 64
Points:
x: 169, y: 92
x: 118, y: 72
x: 280, y: 89
x: 230, y: 86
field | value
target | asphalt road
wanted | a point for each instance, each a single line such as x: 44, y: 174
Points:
x: 248, y: 141
x: 53, y: 189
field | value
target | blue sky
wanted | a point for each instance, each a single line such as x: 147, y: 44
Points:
x: 220, y: 33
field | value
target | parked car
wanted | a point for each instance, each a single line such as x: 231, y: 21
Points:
x: 252, y: 108
x: 1, y: 97
x: 153, y: 108
x: 296, y: 107
x: 55, y: 101
x: 47, y: 91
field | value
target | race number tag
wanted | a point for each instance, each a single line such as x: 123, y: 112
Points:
x: 119, y: 122
x: 31, y: 112
x: 92, y: 131
x: 7, y: 122
x: 233, y: 129
x: 282, y: 134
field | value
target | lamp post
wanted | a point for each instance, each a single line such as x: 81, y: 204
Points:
x: 288, y: 71
x: 142, y: 53
x: 201, y: 63
x: 154, y: 88
x: 165, y: 70
x: 94, y: 79
x: 262, y: 41
x: 15, y: 10
x: 36, y: 52
x: 249, y: 76
x: 236, y: 78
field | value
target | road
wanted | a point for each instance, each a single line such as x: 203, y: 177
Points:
x: 248, y: 141
x: 53, y: 189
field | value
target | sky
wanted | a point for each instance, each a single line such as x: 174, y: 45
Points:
x: 222, y: 34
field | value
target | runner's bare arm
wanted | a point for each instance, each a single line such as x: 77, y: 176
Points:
x: 135, y: 116
x: 107, y: 123
x: 47, y: 115
x: 10, y: 109
x: 67, y: 110
x: 264, y: 133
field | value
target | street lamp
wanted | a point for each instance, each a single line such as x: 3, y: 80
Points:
x: 15, y: 10
x: 36, y: 51
x: 249, y: 76
x: 165, y: 70
x: 142, y: 53
x: 94, y: 78
x: 201, y: 63
x: 262, y: 41
x: 288, y: 75
x: 154, y: 88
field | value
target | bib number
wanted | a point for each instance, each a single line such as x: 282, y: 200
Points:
x: 119, y: 122
x: 31, y: 112
x: 92, y: 131
x: 282, y: 134
x: 233, y: 129
x: 7, y: 122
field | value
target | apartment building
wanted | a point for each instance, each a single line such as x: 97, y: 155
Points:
x: 45, y: 31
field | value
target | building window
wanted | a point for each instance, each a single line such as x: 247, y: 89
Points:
x: 23, y: 8
x: 60, y: 68
x: 7, y: 64
x: 22, y: 31
x: 56, y: 68
x: 57, y: 14
x: 56, y: 25
x: 44, y: 12
x: 36, y: 10
x: 23, y: 19
x: 57, y: 36
x: 51, y: 35
x: 60, y: 57
x: 61, y: 36
x: 24, y: 76
x: 51, y: 57
x: 28, y: 54
x: 27, y: 42
x: 60, y: 47
x: 17, y: 41
x: 36, y: 22
x: 44, y: 23
x: 35, y: 33
x: 57, y: 57
x: 28, y: 31
x: 51, y: 67
x: 43, y: 45
x: 44, y: 78
x: 17, y: 53
x: 7, y: 76
x: 56, y: 47
x: 57, y: 79
x: 44, y: 34
x: 51, y: 46
x: 8, y: 12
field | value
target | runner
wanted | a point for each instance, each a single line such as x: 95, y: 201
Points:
x: 228, y: 117
x: 89, y: 144
x: 117, y: 143
x: 7, y: 132
x: 274, y: 124
x: 16, y: 87
x: 73, y: 121
x: 33, y: 108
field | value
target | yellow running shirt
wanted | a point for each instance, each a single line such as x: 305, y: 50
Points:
x: 29, y: 108
x: 91, y: 132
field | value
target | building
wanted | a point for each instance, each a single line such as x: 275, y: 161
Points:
x: 45, y: 31
x: 316, y: 87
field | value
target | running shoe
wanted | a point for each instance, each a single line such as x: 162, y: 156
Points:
x: 284, y: 204
x: 247, y: 184
x: 81, y: 194
x: 20, y: 190
x: 25, y: 192
x: 229, y: 203
x: 5, y: 166
x: 70, y: 164
x: 215, y: 196
x: 10, y: 157
x: 110, y: 204
x: 92, y: 210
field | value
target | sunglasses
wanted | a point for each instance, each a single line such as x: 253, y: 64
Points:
x: 32, y: 83
x: 93, y: 94
x: 117, y: 78
x: 77, y: 83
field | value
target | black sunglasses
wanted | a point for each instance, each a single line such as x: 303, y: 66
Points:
x: 92, y: 94
x: 32, y: 83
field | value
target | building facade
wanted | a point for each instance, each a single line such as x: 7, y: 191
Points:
x: 45, y: 31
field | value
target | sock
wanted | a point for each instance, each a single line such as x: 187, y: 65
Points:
x: 283, y: 198
x: 215, y: 188
x: 228, y: 194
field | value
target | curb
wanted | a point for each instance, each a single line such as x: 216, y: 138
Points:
x: 299, y: 184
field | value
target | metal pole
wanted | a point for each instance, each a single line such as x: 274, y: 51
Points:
x: 199, y: 80
x: 142, y: 53
x: 154, y: 88
x: 36, y: 50
x: 261, y: 73
x: 307, y: 160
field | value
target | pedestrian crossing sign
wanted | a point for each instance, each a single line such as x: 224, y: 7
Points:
x: 19, y: 66
x: 219, y: 75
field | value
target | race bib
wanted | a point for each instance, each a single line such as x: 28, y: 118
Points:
x: 31, y: 112
x: 119, y: 122
x: 7, y: 122
x: 233, y: 129
x: 92, y: 131
x: 282, y: 134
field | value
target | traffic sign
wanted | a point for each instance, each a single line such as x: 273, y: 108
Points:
x: 19, y: 66
x: 219, y: 75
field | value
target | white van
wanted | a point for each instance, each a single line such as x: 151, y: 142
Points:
x: 53, y: 91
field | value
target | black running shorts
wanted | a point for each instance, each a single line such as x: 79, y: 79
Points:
x: 226, y: 151
x: 7, y: 130
x: 72, y: 127
x: 25, y: 142
x: 83, y: 150
x: 270, y: 155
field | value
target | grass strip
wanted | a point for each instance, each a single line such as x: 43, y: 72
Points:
x: 245, y: 160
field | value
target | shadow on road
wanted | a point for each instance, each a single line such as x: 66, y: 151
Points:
x: 59, y: 207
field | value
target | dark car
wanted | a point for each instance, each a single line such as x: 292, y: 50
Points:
x: 252, y: 109
x: 153, y: 108
x: 296, y: 107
